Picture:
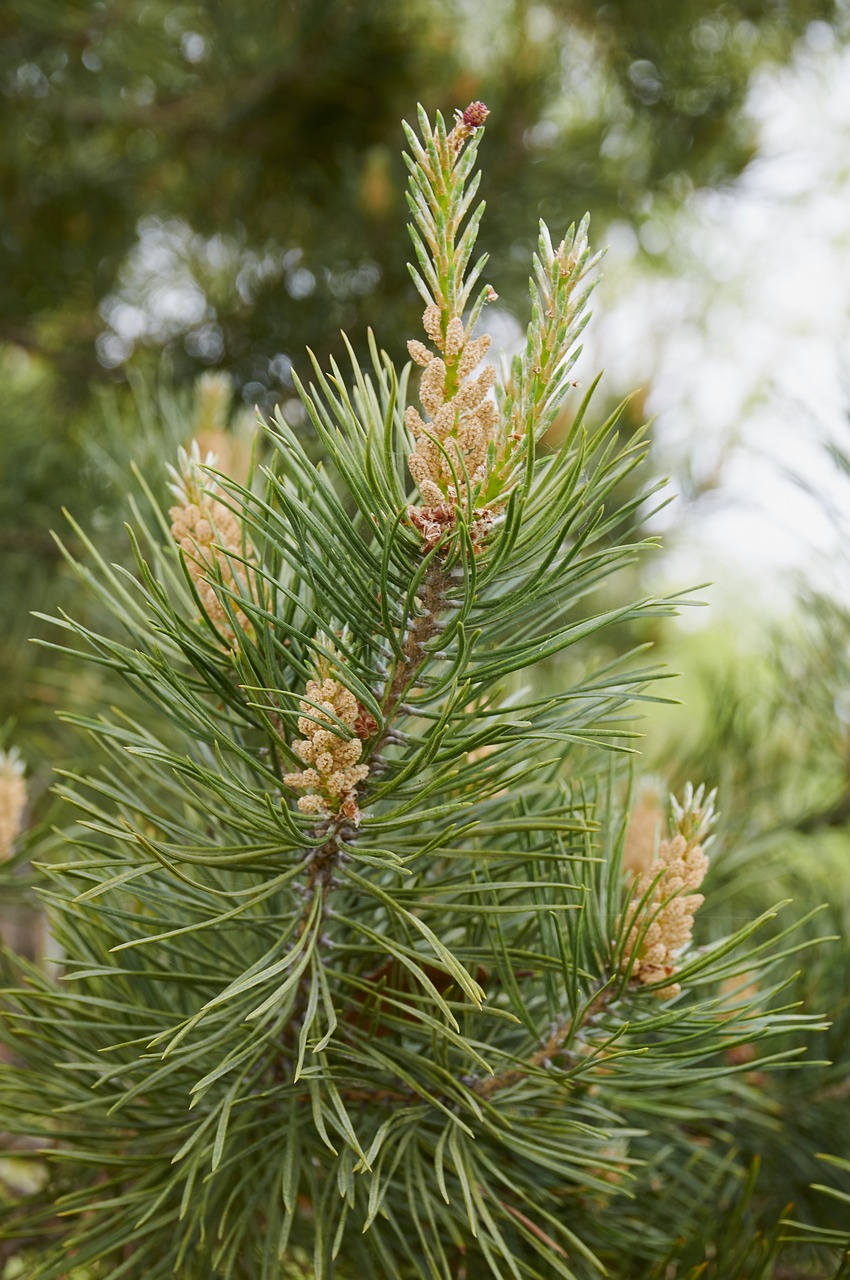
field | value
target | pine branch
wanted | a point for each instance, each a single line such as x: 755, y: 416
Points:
x: 355, y: 967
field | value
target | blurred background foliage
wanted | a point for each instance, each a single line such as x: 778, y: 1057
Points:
x: 226, y: 184
x: 203, y: 189
x: 198, y: 186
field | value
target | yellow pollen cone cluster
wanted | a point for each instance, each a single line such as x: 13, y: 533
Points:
x: 13, y: 800
x: 450, y: 458
x: 212, y: 541
x: 333, y: 771
x: 660, y: 917
x: 456, y: 436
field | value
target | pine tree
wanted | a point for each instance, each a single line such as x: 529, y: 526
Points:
x: 366, y: 971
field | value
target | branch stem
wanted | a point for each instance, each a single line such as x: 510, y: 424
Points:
x: 434, y: 590
x: 552, y: 1047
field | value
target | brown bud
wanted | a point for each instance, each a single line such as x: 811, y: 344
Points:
x: 365, y: 726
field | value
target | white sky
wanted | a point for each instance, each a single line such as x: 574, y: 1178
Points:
x: 746, y: 344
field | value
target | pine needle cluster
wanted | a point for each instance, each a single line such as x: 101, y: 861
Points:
x: 350, y: 983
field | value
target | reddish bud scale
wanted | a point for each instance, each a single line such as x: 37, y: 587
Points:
x: 365, y: 726
x: 475, y: 115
